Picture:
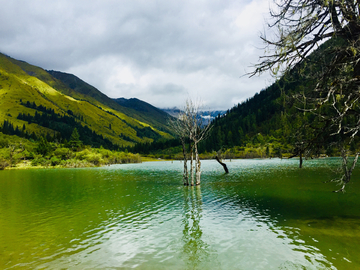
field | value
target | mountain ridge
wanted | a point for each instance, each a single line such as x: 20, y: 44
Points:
x: 21, y: 82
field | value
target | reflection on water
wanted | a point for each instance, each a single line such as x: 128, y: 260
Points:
x: 266, y: 214
x: 196, y: 251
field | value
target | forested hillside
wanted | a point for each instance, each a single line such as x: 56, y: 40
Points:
x: 35, y: 103
x: 275, y: 120
x: 149, y: 113
x: 261, y: 115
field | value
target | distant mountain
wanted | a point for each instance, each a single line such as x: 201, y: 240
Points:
x: 133, y: 107
x: 205, y: 115
x: 211, y: 115
x: 172, y: 111
x: 78, y: 85
x: 51, y: 103
x: 154, y: 114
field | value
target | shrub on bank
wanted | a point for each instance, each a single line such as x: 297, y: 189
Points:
x: 94, y: 158
x: 3, y: 163
x: 55, y: 161
x: 15, y: 150
x: 75, y: 163
x: 40, y: 161
x: 63, y: 153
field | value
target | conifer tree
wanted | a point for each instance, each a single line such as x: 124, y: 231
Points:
x: 43, y: 146
x: 74, y: 141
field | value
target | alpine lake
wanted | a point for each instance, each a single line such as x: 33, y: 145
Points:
x: 264, y: 214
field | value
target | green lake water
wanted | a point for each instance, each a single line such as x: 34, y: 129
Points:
x: 265, y: 214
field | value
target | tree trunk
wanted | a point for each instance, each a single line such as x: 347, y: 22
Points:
x: 222, y: 164
x: 185, y: 175
x: 192, y: 164
x: 347, y: 171
x: 198, y: 165
x: 301, y: 160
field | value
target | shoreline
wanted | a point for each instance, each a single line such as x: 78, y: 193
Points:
x: 26, y: 165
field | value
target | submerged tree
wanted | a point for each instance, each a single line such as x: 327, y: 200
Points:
x: 178, y: 126
x: 190, y: 127
x: 333, y: 91
x: 197, y: 132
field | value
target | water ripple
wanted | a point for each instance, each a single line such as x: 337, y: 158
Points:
x: 140, y: 216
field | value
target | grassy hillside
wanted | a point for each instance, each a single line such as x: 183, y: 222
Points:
x: 151, y: 115
x: 22, y: 83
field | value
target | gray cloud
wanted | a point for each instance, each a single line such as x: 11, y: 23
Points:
x: 159, y: 51
x: 167, y: 89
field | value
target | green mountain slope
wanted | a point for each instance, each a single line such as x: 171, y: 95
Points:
x: 149, y: 116
x: 146, y: 109
x: 22, y: 83
x: 270, y: 116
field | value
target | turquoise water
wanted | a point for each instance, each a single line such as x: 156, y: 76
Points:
x: 265, y: 214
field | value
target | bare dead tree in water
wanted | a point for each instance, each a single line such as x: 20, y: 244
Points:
x: 178, y: 126
x: 189, y: 126
x: 346, y: 169
x: 197, y: 133
x: 222, y: 164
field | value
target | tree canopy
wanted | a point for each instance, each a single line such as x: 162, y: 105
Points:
x: 333, y: 91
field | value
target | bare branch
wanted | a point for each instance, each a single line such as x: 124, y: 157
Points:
x: 332, y: 74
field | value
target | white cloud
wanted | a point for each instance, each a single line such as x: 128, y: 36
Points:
x: 159, y: 51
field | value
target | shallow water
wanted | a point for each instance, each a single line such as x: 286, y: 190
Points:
x: 265, y: 214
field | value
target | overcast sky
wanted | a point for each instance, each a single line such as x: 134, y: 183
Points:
x: 162, y: 52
